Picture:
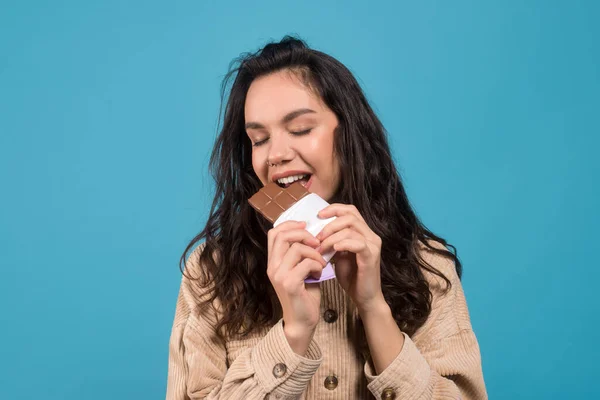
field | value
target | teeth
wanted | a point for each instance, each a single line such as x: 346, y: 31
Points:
x: 290, y: 179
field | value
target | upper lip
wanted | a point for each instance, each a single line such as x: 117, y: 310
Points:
x: 280, y: 175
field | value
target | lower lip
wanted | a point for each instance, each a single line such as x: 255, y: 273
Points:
x: 309, y: 182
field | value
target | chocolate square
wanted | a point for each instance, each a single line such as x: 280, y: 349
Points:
x: 272, y: 200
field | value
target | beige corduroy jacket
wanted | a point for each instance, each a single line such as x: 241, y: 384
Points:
x: 440, y: 361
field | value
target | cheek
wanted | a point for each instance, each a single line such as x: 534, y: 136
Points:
x: 259, y: 168
x: 324, y: 150
x: 334, y: 168
x: 320, y: 150
x: 333, y: 171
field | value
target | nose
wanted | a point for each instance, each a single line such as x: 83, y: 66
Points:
x: 280, y: 149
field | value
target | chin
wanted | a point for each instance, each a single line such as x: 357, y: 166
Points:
x: 324, y: 196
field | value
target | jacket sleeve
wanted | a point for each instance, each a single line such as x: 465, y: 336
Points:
x: 198, y: 359
x: 442, y: 360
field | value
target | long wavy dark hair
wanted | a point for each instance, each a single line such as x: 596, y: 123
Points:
x: 234, y: 259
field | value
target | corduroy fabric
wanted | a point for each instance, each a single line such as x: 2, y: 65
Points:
x: 440, y: 361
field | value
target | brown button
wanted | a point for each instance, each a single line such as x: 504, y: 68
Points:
x: 330, y: 316
x: 331, y: 382
x: 388, y: 394
x: 279, y: 370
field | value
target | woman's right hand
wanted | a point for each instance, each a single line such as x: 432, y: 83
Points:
x: 291, y: 258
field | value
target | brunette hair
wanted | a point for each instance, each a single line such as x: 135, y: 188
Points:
x: 234, y: 258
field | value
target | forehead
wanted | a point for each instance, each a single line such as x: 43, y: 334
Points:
x: 272, y: 96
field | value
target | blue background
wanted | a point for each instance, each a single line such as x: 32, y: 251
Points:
x: 108, y: 113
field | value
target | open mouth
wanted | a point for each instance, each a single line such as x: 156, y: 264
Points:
x: 286, y: 182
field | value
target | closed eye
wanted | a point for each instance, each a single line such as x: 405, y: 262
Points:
x: 260, y: 142
x: 299, y: 133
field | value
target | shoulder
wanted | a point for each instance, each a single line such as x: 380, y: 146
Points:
x: 449, y: 314
x: 197, y: 288
x: 193, y: 271
x: 192, y: 263
x: 444, y: 263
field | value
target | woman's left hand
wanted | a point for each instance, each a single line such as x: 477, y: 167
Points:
x: 358, y: 254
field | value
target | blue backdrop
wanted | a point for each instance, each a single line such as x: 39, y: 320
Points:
x: 108, y: 113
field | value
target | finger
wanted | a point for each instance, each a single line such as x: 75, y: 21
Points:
x: 351, y: 245
x: 346, y: 233
x: 337, y: 209
x: 296, y: 253
x: 346, y: 221
x: 291, y: 281
x: 284, y: 240
x: 274, y: 233
x: 306, y: 268
x: 285, y: 226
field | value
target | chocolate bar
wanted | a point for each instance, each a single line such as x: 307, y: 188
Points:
x: 272, y: 200
x: 295, y: 203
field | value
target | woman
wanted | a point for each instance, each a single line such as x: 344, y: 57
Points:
x: 393, y: 324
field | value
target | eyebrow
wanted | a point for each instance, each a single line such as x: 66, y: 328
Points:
x: 287, y: 118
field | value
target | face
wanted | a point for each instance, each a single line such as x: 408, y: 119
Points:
x: 291, y: 128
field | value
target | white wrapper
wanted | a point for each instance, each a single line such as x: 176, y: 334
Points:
x: 306, y: 210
